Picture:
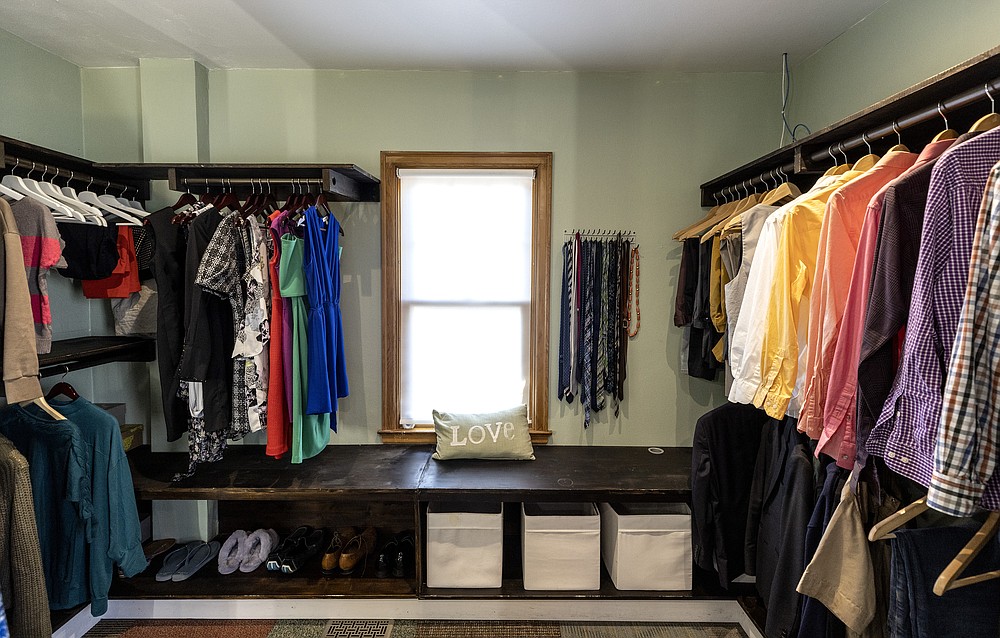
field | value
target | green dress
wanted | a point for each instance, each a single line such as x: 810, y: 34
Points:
x: 310, y: 432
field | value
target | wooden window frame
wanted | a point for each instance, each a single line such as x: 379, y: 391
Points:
x: 541, y: 239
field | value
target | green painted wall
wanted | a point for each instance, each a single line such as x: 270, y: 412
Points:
x: 40, y: 96
x: 897, y: 46
x: 112, y: 130
x: 629, y: 151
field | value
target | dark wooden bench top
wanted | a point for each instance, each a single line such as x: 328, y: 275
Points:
x: 405, y: 473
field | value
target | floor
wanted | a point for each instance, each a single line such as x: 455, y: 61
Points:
x: 569, y: 611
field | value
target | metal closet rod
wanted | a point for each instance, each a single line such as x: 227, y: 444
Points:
x: 775, y: 174
x: 226, y: 181
x: 55, y: 171
x: 938, y: 111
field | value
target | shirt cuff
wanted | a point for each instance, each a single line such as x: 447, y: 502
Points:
x: 954, y: 495
x: 742, y: 391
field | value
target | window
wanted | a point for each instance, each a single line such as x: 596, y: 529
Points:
x: 465, y: 287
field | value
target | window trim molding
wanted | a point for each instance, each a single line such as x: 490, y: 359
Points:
x: 541, y: 241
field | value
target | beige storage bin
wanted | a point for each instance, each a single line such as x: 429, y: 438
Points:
x: 647, y: 546
x: 464, y: 545
x: 561, y: 546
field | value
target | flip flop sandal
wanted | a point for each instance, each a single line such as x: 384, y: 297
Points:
x: 198, y: 558
x: 173, y: 560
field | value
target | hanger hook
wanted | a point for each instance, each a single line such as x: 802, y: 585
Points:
x: 940, y: 108
x: 70, y: 178
x: 31, y: 171
x: 843, y: 152
x: 993, y: 104
x: 829, y: 150
x: 899, y: 136
x: 864, y: 138
x: 45, y: 171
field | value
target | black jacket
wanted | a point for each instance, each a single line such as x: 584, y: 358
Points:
x: 781, y: 502
x: 723, y: 456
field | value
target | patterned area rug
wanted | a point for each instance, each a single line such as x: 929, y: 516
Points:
x: 404, y: 629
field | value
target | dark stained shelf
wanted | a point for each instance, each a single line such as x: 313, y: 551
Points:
x: 407, y: 473
x: 86, y: 352
x: 565, y: 473
x: 307, y: 583
x: 513, y: 588
x: 385, y: 472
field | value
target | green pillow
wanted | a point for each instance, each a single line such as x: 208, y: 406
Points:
x: 496, y: 435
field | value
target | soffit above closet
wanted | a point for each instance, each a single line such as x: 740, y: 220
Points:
x: 496, y: 35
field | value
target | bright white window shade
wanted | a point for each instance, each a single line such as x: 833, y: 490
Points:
x: 465, y: 290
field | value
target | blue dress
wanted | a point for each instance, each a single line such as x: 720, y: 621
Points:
x: 327, y: 373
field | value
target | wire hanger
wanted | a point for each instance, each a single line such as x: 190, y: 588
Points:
x: 948, y: 133
x: 989, y: 121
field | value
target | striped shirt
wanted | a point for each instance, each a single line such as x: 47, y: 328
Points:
x: 965, y: 455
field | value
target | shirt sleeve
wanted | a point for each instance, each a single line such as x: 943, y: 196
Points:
x: 965, y: 454
x: 789, y: 299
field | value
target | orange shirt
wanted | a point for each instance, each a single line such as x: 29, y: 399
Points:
x: 124, y: 279
x: 839, y: 237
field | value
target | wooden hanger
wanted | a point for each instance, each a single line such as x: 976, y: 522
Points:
x: 899, y: 147
x: 708, y: 223
x: 947, y: 133
x: 744, y: 204
x: 884, y: 528
x: 710, y: 214
x: 869, y: 160
x: 44, y: 405
x: 65, y: 389
x: 989, y: 121
x: 950, y: 577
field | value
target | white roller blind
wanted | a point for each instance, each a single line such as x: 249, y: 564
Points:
x: 466, y: 290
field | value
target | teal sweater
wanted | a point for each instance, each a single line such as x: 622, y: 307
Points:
x: 115, y: 537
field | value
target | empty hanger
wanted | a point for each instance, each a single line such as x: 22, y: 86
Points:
x: 885, y: 528
x: 950, y: 576
x: 46, y: 408
x: 899, y: 140
x: 29, y: 188
x: 989, y: 121
x: 49, y: 188
x: 947, y: 133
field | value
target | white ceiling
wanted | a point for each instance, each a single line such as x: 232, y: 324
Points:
x: 592, y: 35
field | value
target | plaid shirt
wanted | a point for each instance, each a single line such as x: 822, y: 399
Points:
x: 965, y: 456
x: 910, y: 416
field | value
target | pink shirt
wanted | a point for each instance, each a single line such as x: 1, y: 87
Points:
x: 839, y: 238
x: 838, y: 436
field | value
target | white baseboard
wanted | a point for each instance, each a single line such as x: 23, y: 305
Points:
x: 412, y: 609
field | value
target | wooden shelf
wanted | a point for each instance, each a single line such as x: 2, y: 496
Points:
x: 340, y: 472
x: 565, y: 473
x: 407, y: 473
x: 85, y: 352
x: 307, y: 583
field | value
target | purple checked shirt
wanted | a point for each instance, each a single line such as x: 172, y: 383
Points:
x: 907, y: 431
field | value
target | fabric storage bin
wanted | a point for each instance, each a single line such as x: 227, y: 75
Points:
x: 464, y: 544
x: 561, y: 546
x: 647, y: 545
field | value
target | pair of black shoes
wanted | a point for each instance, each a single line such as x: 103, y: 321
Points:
x: 297, y: 548
x: 396, y: 557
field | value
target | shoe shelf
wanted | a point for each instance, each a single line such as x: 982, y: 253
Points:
x: 389, y: 487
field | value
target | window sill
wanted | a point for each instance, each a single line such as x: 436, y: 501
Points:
x: 424, y: 436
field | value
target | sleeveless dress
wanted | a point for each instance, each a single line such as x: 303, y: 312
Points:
x: 279, y: 425
x: 310, y: 432
x: 327, y: 365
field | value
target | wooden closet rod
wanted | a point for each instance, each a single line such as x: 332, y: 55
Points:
x: 930, y: 113
x: 71, y: 176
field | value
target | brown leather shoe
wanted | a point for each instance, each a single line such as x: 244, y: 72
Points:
x: 357, y: 549
x: 331, y: 558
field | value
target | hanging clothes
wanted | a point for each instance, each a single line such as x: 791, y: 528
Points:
x: 124, y: 279
x: 169, y: 248
x: 20, y: 359
x: 42, y: 251
x: 907, y: 431
x: 279, y: 425
x: 327, y: 369
x: 310, y: 432
x: 22, y: 576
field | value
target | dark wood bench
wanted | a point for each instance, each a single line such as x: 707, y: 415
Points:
x: 389, y: 486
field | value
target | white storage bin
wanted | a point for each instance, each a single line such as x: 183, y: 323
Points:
x: 561, y: 546
x: 464, y: 544
x: 647, y: 545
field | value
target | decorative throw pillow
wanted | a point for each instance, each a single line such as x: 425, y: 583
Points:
x: 496, y: 435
